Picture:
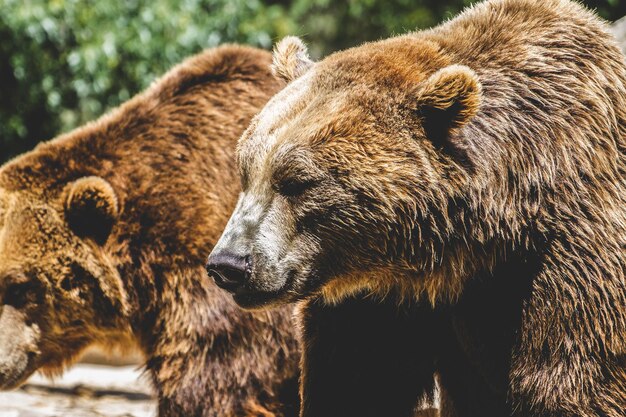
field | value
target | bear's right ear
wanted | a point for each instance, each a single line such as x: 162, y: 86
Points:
x: 91, y: 208
x: 291, y: 59
x: 447, y: 101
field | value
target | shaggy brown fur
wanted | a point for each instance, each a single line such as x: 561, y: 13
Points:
x: 103, y: 236
x: 480, y: 166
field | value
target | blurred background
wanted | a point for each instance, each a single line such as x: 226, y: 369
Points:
x: 64, y: 62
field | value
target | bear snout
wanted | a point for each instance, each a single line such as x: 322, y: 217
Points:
x: 18, y: 347
x: 229, y: 271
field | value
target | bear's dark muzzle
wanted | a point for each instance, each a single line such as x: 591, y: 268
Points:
x: 229, y: 271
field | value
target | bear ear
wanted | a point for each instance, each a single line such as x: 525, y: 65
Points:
x: 91, y: 208
x: 448, y: 100
x: 291, y: 59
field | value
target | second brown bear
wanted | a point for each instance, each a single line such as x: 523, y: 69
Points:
x: 103, y: 236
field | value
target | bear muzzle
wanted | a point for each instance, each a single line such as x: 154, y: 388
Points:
x: 229, y: 271
x: 18, y: 348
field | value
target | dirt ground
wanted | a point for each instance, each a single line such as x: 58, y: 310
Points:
x: 84, y: 391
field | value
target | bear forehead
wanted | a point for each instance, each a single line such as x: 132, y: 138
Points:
x: 303, y: 120
x: 336, y: 96
x: 27, y: 211
x: 389, y: 64
x: 281, y: 121
x: 392, y: 64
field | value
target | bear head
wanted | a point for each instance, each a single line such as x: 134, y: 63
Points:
x: 59, y: 291
x: 351, y: 169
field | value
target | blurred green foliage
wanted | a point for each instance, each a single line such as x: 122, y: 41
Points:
x: 64, y: 62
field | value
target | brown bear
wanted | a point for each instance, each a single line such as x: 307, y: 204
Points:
x: 472, y: 177
x: 103, y: 236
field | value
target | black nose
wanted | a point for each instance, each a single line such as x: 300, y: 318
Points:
x: 228, y: 270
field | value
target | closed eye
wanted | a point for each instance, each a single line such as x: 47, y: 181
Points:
x: 293, y: 187
x: 17, y: 295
